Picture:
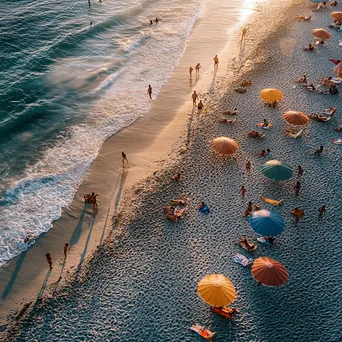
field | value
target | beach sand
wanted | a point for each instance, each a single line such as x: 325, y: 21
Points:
x: 148, y: 143
x: 141, y: 285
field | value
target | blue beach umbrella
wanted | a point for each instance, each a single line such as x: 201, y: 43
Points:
x: 267, y: 223
x: 275, y: 169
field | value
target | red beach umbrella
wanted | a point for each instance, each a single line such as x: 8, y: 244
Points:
x: 269, y: 272
x: 336, y: 15
x: 321, y: 33
x: 296, y: 118
x: 338, y: 69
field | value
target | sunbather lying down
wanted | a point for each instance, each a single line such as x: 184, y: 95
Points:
x: 245, y: 244
x: 230, y: 112
x: 224, y: 120
x: 303, y: 79
x: 330, y: 111
x: 305, y: 18
x: 246, y: 83
x: 321, y: 118
x: 174, y: 213
x: 255, y: 134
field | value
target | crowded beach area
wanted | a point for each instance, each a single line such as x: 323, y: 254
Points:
x: 232, y: 233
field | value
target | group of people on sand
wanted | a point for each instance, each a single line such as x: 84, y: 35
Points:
x: 91, y: 198
x: 49, y: 257
x: 155, y: 20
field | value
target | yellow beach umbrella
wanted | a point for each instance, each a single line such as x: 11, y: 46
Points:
x: 296, y: 118
x: 216, y: 290
x: 338, y: 69
x: 271, y: 94
x: 224, y: 146
x: 336, y: 15
x: 321, y: 33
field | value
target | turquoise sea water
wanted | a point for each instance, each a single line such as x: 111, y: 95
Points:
x: 67, y: 85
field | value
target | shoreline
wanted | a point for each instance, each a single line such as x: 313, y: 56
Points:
x: 26, y: 273
x: 198, y: 245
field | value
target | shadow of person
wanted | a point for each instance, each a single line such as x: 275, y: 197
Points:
x: 78, y: 230
x: 14, y: 275
x: 40, y: 293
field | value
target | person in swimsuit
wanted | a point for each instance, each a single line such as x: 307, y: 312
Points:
x: 124, y: 158
x: 243, y: 191
x: 216, y: 62
x: 300, y: 171
x: 200, y: 105
x: 198, y: 66
x: 319, y: 151
x: 265, y: 124
x: 190, y: 71
x: 49, y: 260
x: 248, y: 166
x: 66, y: 249
x: 194, y: 97
x: 297, y: 188
x: 93, y: 200
x: 149, y: 91
x: 322, y: 210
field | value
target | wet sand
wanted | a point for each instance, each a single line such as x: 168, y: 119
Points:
x: 148, y: 140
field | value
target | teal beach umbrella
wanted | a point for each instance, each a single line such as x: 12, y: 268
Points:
x: 267, y: 223
x: 275, y: 169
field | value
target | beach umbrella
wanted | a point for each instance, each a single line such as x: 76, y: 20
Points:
x: 216, y: 290
x: 266, y: 223
x: 296, y: 118
x: 224, y: 146
x: 271, y: 94
x: 336, y: 15
x: 275, y: 169
x: 269, y: 272
x: 338, y: 70
x: 321, y: 33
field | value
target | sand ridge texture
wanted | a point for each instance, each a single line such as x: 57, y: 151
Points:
x: 141, y: 286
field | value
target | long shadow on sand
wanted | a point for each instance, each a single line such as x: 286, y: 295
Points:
x: 14, y: 275
x: 78, y: 230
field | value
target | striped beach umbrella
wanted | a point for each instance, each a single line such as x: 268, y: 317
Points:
x: 224, y: 146
x: 266, y: 223
x: 275, y: 169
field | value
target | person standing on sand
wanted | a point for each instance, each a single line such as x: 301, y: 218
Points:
x: 49, y: 260
x: 194, y: 98
x: 123, y: 154
x: 197, y: 67
x: 248, y: 166
x: 297, y: 188
x: 243, y: 191
x: 190, y: 71
x: 66, y: 249
x: 216, y: 62
x: 319, y: 151
x: 300, y: 171
x: 321, y: 210
x: 243, y: 34
x: 149, y: 91
x: 93, y: 200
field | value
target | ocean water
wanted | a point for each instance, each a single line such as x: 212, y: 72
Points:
x: 67, y: 86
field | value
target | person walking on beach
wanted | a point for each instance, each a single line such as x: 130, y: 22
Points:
x: 297, y: 188
x: 216, y: 62
x: 248, y: 166
x: 93, y: 200
x: 243, y: 34
x: 194, y: 98
x: 319, y: 151
x: 66, y: 249
x: 190, y: 71
x: 321, y: 210
x: 243, y: 191
x: 124, y: 158
x: 200, y: 105
x: 300, y: 171
x: 49, y: 260
x: 197, y: 67
x: 149, y: 91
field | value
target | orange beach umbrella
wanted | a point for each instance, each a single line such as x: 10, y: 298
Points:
x: 338, y: 69
x: 216, y: 290
x: 321, y: 33
x: 269, y: 272
x: 271, y: 94
x: 296, y: 118
x: 224, y: 146
x: 336, y: 15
